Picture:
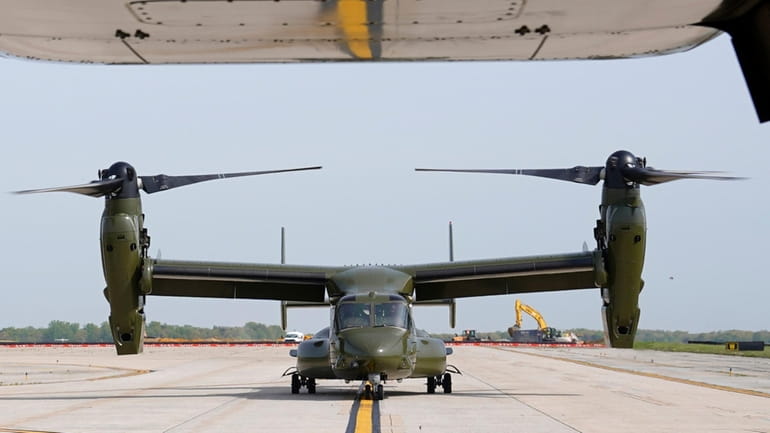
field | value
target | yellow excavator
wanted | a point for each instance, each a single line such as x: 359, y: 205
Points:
x: 544, y: 333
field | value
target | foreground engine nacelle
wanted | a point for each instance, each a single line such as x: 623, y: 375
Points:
x: 621, y: 237
x: 123, y: 244
x: 623, y: 234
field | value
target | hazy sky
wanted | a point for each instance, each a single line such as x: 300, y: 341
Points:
x: 369, y: 125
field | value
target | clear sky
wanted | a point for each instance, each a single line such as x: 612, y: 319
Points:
x: 369, y: 125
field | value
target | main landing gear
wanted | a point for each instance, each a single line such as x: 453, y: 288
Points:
x: 443, y: 380
x: 297, y: 382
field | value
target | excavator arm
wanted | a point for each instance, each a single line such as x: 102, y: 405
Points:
x: 532, y: 312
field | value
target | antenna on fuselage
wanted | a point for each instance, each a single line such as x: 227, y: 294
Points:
x: 451, y: 244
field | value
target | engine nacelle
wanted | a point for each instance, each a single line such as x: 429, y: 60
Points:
x: 624, y: 248
x: 123, y: 246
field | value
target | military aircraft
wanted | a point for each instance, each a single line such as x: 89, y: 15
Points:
x: 372, y: 334
x: 249, y: 31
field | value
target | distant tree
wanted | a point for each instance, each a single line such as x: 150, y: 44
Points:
x: 59, y: 330
x: 91, y: 333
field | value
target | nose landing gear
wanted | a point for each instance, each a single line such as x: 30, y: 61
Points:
x: 297, y: 382
x: 374, y: 383
x: 442, y: 380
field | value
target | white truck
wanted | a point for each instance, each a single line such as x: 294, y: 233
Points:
x: 294, y: 337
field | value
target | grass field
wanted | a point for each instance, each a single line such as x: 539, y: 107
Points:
x: 699, y: 348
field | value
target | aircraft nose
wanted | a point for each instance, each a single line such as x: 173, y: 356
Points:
x: 374, y: 342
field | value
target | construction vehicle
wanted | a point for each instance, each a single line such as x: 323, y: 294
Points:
x: 467, y: 335
x: 543, y: 334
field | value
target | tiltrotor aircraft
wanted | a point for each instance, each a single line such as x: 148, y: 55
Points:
x: 372, y: 334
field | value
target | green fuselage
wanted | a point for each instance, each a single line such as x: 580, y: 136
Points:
x: 371, y: 332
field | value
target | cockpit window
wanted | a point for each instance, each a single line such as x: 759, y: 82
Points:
x: 364, y: 314
x: 390, y: 314
x: 354, y: 315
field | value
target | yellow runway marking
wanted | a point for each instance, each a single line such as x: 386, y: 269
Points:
x: 651, y: 375
x: 355, y: 26
x: 364, y: 417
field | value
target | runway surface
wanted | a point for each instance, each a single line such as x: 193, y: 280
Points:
x: 502, y: 389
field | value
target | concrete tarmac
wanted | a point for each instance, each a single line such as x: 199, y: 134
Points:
x: 502, y: 389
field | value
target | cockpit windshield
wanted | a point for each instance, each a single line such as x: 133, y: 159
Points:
x: 390, y: 314
x: 365, y: 314
x: 354, y: 315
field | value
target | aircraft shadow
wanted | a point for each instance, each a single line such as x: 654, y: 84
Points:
x: 485, y: 393
x: 262, y: 392
x: 267, y: 392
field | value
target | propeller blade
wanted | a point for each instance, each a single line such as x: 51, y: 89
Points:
x: 162, y: 182
x: 578, y: 174
x: 97, y: 188
x: 650, y: 176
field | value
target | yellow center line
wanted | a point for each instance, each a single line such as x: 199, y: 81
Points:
x: 355, y: 26
x: 364, y: 417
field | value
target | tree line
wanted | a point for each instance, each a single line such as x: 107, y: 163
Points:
x: 58, y: 330
x: 661, y: 336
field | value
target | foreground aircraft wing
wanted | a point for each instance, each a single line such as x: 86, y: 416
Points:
x: 247, y: 31
x: 461, y: 279
x: 254, y: 31
x: 240, y: 280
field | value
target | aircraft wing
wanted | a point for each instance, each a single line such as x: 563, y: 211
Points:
x: 447, y: 280
x: 249, y: 31
x: 240, y: 280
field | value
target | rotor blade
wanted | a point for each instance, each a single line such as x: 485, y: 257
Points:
x: 97, y: 188
x: 651, y: 176
x: 579, y: 174
x: 162, y: 182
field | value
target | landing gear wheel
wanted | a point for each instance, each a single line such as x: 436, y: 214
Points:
x: 295, y: 383
x: 311, y: 386
x: 380, y: 393
x: 446, y: 383
x: 368, y: 391
x: 431, y: 385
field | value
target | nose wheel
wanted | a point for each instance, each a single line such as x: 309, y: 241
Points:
x: 297, y: 382
x: 373, y: 388
x: 442, y: 380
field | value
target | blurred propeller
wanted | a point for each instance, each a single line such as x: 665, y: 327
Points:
x: 97, y: 188
x: 579, y: 174
x: 651, y: 176
x: 622, y: 169
x: 162, y: 182
x: 121, y: 180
